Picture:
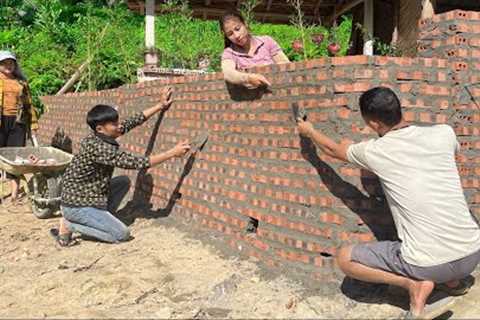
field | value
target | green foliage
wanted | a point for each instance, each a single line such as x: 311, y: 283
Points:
x: 64, y: 34
x: 183, y: 41
x: 385, y: 49
x: 285, y: 35
x: 247, y: 8
x: 16, y: 12
x: 52, y: 38
x: 342, y: 35
x: 381, y: 48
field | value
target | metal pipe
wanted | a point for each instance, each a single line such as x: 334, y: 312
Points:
x: 35, y: 184
x: 45, y: 200
x: 368, y: 23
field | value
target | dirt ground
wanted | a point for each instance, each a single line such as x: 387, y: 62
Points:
x: 162, y: 273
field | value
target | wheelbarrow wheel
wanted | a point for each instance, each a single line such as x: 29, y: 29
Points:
x: 42, y: 212
x: 47, y: 187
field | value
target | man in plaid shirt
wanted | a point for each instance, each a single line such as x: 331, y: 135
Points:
x: 89, y: 194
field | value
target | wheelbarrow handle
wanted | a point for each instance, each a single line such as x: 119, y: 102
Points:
x: 34, y: 140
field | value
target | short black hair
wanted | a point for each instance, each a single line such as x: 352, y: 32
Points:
x: 101, y: 114
x: 381, y: 104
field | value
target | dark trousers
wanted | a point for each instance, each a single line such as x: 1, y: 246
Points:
x: 12, y: 134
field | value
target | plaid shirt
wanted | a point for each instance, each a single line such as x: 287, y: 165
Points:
x: 86, y: 182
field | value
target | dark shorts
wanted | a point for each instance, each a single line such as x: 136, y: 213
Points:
x: 386, y: 256
x: 12, y: 134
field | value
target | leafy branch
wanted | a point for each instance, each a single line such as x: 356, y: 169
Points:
x: 247, y: 8
x: 297, y: 19
x: 381, y: 47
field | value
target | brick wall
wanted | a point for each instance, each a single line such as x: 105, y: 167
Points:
x: 256, y: 166
x: 454, y: 35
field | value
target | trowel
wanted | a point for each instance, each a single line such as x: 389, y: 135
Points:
x: 298, y: 112
x: 198, y: 143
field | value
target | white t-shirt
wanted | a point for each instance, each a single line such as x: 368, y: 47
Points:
x: 417, y: 170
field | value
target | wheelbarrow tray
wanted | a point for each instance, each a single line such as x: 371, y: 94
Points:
x: 8, y: 155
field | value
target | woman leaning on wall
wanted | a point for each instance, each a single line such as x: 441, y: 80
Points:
x: 244, y: 50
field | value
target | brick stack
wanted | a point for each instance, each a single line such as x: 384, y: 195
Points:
x: 255, y: 166
x: 454, y: 35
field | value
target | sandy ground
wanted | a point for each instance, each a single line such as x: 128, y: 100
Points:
x: 162, y: 273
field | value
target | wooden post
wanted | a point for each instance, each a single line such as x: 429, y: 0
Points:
x: 428, y: 9
x: 316, y: 12
x: 368, y: 18
x: 396, y: 17
x: 151, y: 58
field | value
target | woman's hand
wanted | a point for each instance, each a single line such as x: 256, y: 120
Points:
x: 256, y: 80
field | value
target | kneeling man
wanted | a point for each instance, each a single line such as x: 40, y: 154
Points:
x: 439, y: 237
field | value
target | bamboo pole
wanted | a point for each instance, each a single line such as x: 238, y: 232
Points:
x: 74, y: 78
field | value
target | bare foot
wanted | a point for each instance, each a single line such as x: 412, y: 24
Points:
x: 419, y: 292
x: 9, y: 202
x: 63, y: 229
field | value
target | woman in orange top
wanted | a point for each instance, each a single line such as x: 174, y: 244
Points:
x: 18, y: 115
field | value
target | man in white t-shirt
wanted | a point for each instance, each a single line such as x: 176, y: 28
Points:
x: 439, y: 237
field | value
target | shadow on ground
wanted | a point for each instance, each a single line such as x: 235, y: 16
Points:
x: 395, y: 296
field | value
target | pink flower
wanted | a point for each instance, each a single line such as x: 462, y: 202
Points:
x: 317, y: 38
x: 333, y: 48
x: 297, y: 45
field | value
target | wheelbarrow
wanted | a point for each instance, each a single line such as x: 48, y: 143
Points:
x: 44, y: 187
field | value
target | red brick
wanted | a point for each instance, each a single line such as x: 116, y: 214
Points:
x: 328, y: 217
x: 344, y: 113
x: 322, y: 75
x: 409, y: 116
x: 350, y: 60
x: 383, y: 74
x: 363, y: 73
